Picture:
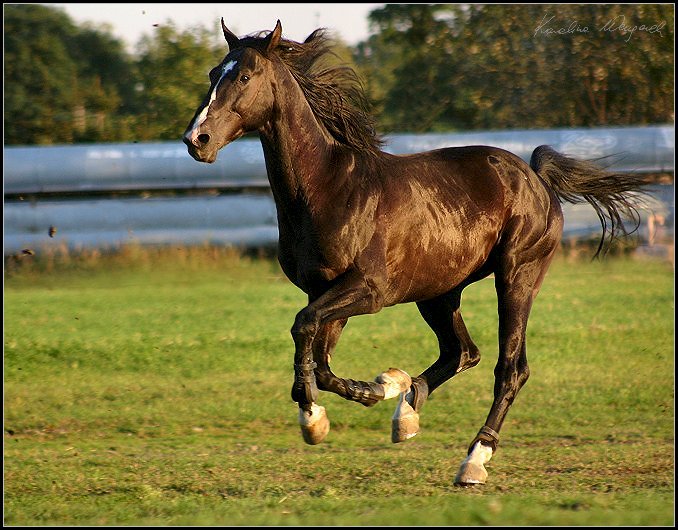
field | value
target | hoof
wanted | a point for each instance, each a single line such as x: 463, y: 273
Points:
x: 470, y: 474
x: 395, y: 382
x: 314, y: 424
x: 472, y: 470
x: 405, y: 421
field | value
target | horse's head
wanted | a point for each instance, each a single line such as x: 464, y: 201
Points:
x: 240, y: 98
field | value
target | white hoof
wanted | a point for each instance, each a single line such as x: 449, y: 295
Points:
x: 394, y: 381
x: 472, y: 469
x: 405, y: 421
x: 314, y: 424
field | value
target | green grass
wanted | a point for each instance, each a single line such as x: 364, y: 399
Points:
x: 153, y: 389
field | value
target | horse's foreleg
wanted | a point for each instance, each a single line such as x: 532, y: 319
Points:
x: 312, y: 417
x: 388, y: 385
x: 352, y: 296
x: 315, y: 424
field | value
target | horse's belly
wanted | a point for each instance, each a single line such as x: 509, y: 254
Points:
x: 427, y: 266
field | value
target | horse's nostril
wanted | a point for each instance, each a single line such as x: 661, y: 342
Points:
x: 204, y: 139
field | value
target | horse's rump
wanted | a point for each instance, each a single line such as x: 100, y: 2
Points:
x: 445, y: 211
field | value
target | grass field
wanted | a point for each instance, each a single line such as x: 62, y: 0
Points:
x: 153, y: 389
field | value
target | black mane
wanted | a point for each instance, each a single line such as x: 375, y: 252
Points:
x: 333, y: 90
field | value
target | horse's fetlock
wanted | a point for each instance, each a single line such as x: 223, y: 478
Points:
x: 304, y: 392
x: 305, y: 388
x: 420, y: 393
x: 365, y: 393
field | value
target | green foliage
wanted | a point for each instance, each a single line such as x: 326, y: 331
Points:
x: 40, y: 73
x: 173, y: 79
x: 68, y: 84
x: 410, y: 61
x: 426, y: 67
x: 152, y: 388
x: 63, y: 84
x: 501, y: 66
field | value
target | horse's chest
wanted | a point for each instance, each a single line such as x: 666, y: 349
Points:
x: 309, y: 262
x: 316, y: 246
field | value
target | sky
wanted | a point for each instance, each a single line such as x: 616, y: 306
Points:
x: 129, y: 22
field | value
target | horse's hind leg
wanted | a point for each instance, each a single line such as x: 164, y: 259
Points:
x: 457, y: 350
x: 516, y: 286
x: 457, y: 353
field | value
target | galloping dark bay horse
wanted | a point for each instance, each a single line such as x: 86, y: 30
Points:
x: 361, y: 229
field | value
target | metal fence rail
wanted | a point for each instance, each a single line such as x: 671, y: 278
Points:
x: 239, y: 220
x: 92, y: 194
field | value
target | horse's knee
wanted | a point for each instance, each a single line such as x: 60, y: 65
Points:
x: 375, y: 300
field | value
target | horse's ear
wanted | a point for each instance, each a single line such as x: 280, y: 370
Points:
x: 230, y: 37
x: 313, y: 35
x: 274, y: 37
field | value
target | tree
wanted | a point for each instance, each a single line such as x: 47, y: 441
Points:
x: 172, y: 74
x: 426, y: 67
x: 62, y: 83
x: 106, y: 86
x: 39, y: 76
x: 494, y: 66
x: 410, y: 66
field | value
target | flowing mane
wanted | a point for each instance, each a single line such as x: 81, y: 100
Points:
x: 333, y: 90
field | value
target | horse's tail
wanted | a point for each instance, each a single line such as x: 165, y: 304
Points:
x: 613, y: 196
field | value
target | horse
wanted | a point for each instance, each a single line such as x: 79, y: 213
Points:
x: 361, y: 229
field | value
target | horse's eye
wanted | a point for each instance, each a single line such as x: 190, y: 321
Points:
x: 244, y: 78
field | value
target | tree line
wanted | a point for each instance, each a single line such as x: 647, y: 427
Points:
x: 425, y: 67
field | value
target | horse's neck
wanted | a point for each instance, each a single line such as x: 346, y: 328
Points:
x: 296, y: 146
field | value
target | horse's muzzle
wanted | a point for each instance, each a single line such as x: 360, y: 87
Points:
x: 200, y: 154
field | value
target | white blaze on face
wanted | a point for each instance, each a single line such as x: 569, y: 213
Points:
x: 193, y: 133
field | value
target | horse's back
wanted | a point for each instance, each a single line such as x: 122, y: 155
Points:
x: 474, y: 181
